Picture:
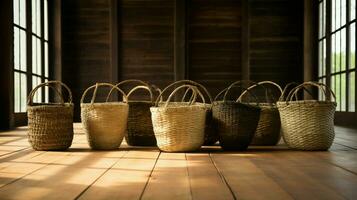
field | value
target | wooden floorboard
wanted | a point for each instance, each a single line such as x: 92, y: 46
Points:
x: 146, y: 173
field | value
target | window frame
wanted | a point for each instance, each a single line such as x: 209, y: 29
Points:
x: 328, y: 75
x: 20, y: 118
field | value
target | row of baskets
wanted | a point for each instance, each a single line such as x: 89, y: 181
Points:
x: 188, y: 118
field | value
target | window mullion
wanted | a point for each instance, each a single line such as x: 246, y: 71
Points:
x: 29, y: 45
x: 348, y: 48
x: 328, y: 42
x: 42, y: 49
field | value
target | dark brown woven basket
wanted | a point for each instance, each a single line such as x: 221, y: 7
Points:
x: 268, y: 130
x: 236, y: 122
x: 139, y: 130
x: 211, y: 133
x: 50, y: 124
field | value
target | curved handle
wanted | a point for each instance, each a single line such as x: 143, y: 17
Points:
x: 141, y: 87
x: 139, y: 82
x: 235, y: 84
x: 260, y: 84
x: 194, y: 89
x: 96, y: 86
x: 191, y: 83
x: 287, y: 86
x: 48, y: 84
x: 158, y: 90
x: 324, y: 88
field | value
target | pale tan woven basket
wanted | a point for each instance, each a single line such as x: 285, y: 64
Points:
x: 139, y: 129
x: 50, y: 124
x: 179, y: 127
x: 268, y: 129
x: 308, y: 124
x: 104, y: 123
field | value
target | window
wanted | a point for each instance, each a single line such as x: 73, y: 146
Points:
x: 337, y: 50
x: 30, y: 50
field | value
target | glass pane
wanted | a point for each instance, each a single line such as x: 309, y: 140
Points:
x: 338, y: 14
x: 36, y: 81
x: 333, y: 52
x: 39, y: 60
x: 46, y: 93
x: 353, y: 45
x: 16, y: 12
x: 352, y: 9
x: 17, y: 87
x: 343, y: 12
x: 34, y: 55
x: 23, y: 13
x: 343, y: 92
x: 45, y: 20
x: 23, y: 92
x: 16, y: 48
x: 352, y: 91
x: 46, y: 59
x: 333, y: 14
x: 23, y: 54
x: 34, y: 20
x: 320, y: 20
x: 338, y: 52
x: 343, y: 49
x: 38, y: 13
x: 338, y: 91
x: 324, y: 57
x: 320, y: 58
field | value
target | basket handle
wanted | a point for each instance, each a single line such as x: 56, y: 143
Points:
x: 158, y: 90
x: 260, y: 84
x: 193, y: 88
x: 225, y: 89
x: 324, y: 88
x: 139, y: 82
x: 235, y: 84
x: 141, y: 87
x: 48, y: 84
x: 96, y: 86
x: 286, y: 88
x: 190, y: 82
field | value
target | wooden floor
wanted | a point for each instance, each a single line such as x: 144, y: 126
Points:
x: 146, y: 173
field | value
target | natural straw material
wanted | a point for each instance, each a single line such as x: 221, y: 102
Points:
x: 50, y: 124
x: 211, y: 134
x: 139, y: 129
x: 236, y: 121
x: 104, y: 123
x: 179, y: 127
x: 268, y: 129
x: 308, y: 124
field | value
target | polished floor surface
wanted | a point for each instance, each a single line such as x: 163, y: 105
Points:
x: 146, y: 173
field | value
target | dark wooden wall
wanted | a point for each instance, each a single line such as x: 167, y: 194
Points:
x: 211, y: 41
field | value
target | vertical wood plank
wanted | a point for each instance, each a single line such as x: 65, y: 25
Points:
x: 245, y: 40
x: 180, y: 40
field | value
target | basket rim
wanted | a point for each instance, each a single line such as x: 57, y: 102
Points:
x: 175, y: 107
x: 103, y: 104
x: 50, y: 105
x: 305, y: 102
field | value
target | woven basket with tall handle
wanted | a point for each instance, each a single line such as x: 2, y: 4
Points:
x: 179, y: 127
x: 236, y: 121
x: 139, y: 131
x: 308, y: 124
x: 211, y: 134
x: 50, y: 124
x: 268, y: 130
x: 104, y: 123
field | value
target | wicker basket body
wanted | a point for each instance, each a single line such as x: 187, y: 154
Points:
x: 307, y: 124
x: 268, y: 129
x: 236, y: 123
x: 50, y: 125
x: 178, y: 126
x: 104, y: 123
x: 140, y: 131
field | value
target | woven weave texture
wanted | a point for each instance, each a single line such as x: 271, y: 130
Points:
x: 140, y: 131
x: 179, y: 128
x: 50, y: 126
x: 104, y: 124
x: 307, y: 125
x: 236, y: 124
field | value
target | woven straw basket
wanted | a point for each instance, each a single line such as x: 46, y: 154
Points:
x: 139, y: 129
x: 211, y: 134
x: 308, y: 124
x: 50, y: 124
x: 179, y: 127
x: 104, y: 123
x: 236, y: 121
x: 268, y: 129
